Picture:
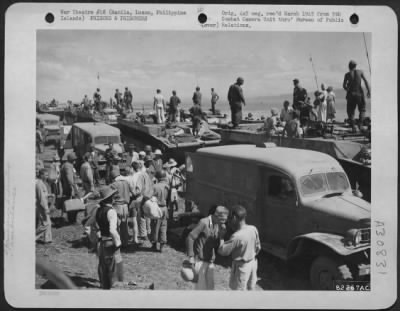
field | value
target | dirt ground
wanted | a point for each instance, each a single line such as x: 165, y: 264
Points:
x: 147, y: 269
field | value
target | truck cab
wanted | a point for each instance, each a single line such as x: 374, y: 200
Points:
x: 300, y: 201
x: 51, y: 126
x: 97, y: 134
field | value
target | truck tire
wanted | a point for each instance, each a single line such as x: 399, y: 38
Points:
x: 325, y: 270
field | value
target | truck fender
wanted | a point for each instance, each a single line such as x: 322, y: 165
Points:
x: 331, y: 241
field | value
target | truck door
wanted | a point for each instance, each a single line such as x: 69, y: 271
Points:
x: 278, y: 207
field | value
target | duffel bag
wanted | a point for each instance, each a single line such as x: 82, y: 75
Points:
x: 151, y: 209
x: 73, y: 205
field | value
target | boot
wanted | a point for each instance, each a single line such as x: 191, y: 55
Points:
x: 154, y: 247
x: 161, y: 248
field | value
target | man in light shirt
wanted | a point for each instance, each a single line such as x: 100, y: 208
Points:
x: 121, y: 201
x: 243, y: 246
x: 110, y: 260
x: 286, y: 112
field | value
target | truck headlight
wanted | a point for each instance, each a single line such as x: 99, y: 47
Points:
x: 357, y: 238
x: 354, y: 236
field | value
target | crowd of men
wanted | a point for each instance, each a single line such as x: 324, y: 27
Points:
x: 120, y: 197
x: 149, y: 179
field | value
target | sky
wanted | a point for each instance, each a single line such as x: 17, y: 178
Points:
x: 69, y: 62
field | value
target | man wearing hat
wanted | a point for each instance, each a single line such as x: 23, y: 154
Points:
x: 86, y: 174
x: 159, y: 226
x: 121, y: 201
x: 202, y: 244
x: 157, y: 160
x: 67, y: 177
x: 149, y: 151
x: 299, y: 99
x: 355, y: 94
x: 110, y: 260
x: 142, y: 155
x: 236, y: 99
x: 174, y: 182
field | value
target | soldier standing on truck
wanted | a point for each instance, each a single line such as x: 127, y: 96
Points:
x: 355, y: 94
x: 299, y: 100
x: 243, y: 246
x: 197, y: 96
x: 236, y: 98
x: 203, y: 242
x: 214, y: 99
x: 97, y: 99
x: 128, y: 99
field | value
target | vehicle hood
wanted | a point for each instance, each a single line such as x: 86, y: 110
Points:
x: 52, y: 127
x: 345, y: 206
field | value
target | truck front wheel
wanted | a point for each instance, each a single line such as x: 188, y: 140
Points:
x: 326, y: 270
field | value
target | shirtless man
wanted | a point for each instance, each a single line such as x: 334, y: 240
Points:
x: 355, y: 94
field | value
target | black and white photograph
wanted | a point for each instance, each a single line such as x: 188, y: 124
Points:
x: 200, y: 160
x: 230, y: 160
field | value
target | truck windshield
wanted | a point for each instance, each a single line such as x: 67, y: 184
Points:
x: 323, y: 182
x: 106, y: 140
x: 51, y: 122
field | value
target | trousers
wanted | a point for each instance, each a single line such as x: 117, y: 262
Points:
x: 354, y: 101
x: 205, y: 272
x: 236, y: 113
x: 243, y: 275
x: 159, y: 227
x: 43, y: 228
x: 160, y: 114
x: 110, y: 264
x: 143, y: 222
